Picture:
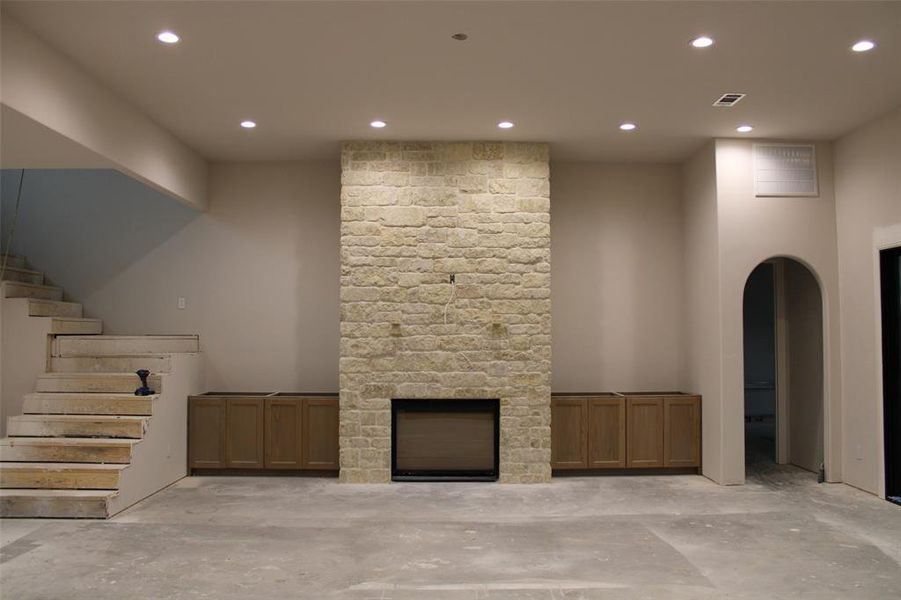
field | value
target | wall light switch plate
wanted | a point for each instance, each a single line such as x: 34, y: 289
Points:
x: 182, y: 303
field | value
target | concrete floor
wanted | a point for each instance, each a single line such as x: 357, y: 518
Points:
x: 678, y: 537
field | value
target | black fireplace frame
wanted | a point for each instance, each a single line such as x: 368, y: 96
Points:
x: 487, y: 405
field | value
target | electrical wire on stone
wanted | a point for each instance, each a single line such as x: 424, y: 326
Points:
x: 450, y: 301
x: 12, y: 229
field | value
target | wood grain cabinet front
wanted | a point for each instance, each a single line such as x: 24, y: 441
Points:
x: 569, y: 433
x: 284, y: 431
x: 645, y: 432
x: 244, y: 429
x: 606, y: 432
x: 682, y: 431
x: 206, y: 433
x: 280, y: 431
x: 320, y: 433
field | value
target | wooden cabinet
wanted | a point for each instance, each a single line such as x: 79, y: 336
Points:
x: 263, y: 431
x: 206, y: 432
x: 320, y: 433
x: 645, y: 432
x: 631, y: 431
x: 569, y: 433
x: 606, y: 432
x: 682, y: 431
x: 284, y: 433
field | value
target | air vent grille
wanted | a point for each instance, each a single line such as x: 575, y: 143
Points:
x: 785, y: 170
x: 730, y: 99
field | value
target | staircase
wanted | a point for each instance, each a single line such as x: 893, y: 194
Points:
x: 85, y: 446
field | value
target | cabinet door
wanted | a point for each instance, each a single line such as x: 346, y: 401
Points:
x: 284, y: 433
x: 244, y: 433
x: 606, y: 433
x: 569, y: 433
x: 320, y: 433
x: 682, y: 432
x: 206, y: 433
x: 644, y: 437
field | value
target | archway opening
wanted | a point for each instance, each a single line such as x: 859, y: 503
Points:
x: 783, y: 365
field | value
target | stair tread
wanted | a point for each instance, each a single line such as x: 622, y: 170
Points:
x: 67, y: 441
x: 33, y: 285
x: 86, y: 374
x: 89, y: 395
x: 80, y: 418
x: 9, y: 269
x: 74, y: 319
x: 61, y: 466
x: 99, y: 494
x: 187, y: 336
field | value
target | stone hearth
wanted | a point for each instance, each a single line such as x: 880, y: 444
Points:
x: 412, y: 215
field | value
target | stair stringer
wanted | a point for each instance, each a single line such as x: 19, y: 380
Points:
x: 161, y: 457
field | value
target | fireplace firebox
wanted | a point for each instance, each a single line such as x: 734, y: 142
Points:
x: 445, y: 440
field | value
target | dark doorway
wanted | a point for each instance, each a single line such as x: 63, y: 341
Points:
x: 783, y: 364
x: 760, y: 366
x: 890, y: 271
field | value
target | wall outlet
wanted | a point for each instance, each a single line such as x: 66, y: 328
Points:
x: 182, y: 303
x: 453, y: 278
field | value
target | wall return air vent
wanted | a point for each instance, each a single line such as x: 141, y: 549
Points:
x: 785, y: 170
x: 730, y: 99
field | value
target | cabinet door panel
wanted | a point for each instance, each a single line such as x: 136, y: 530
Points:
x: 284, y: 433
x: 244, y: 433
x: 320, y: 433
x: 569, y: 433
x: 606, y: 433
x: 682, y: 432
x: 645, y: 432
x: 206, y: 433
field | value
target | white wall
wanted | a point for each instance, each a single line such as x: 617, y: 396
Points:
x: 617, y: 288
x: 259, y: 270
x: 47, y: 87
x: 868, y: 206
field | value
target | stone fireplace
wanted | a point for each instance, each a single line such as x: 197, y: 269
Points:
x: 445, y: 293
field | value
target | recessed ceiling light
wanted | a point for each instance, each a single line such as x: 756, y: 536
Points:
x: 505, y: 124
x: 248, y: 124
x: 628, y: 126
x: 863, y: 46
x: 168, y: 37
x: 378, y: 124
x: 460, y: 37
x: 702, y: 42
x: 744, y: 128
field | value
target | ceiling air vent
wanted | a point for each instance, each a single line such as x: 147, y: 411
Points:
x: 730, y: 99
x: 785, y: 170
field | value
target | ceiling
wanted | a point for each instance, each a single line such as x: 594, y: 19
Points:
x: 315, y: 73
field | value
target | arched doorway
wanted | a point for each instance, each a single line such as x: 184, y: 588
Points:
x: 783, y: 365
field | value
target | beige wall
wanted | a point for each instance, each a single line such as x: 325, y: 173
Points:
x: 48, y: 88
x: 752, y: 230
x: 804, y: 325
x: 259, y: 272
x: 868, y: 206
x: 701, y: 272
x: 617, y: 286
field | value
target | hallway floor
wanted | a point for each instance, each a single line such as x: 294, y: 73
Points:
x: 780, y: 536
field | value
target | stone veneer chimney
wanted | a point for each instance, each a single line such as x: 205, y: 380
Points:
x: 412, y: 214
